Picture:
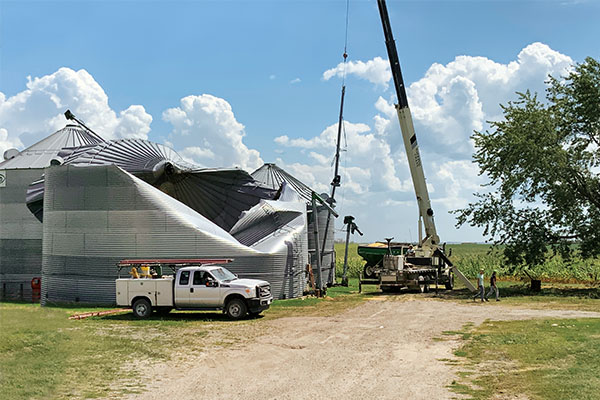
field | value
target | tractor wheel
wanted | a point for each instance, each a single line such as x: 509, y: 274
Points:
x: 369, y: 272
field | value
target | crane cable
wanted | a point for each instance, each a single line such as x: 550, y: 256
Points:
x: 345, y: 55
x: 336, y: 177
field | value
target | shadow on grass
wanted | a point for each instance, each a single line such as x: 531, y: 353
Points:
x: 177, y: 316
x: 523, y: 290
x: 9, y: 300
x: 507, y: 289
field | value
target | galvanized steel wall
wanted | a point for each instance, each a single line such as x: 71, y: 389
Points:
x: 20, y: 236
x: 328, y: 261
x: 95, y: 216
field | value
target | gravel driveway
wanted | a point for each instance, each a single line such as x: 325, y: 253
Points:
x: 383, y: 349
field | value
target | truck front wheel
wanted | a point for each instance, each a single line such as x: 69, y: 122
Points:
x: 142, y: 308
x: 236, y: 309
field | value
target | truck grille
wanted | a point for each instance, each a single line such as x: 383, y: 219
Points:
x: 264, y: 291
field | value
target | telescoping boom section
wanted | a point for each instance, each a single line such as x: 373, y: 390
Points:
x: 431, y: 240
x: 427, y: 263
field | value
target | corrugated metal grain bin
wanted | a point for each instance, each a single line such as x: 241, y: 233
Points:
x: 83, y: 241
x: 20, y: 230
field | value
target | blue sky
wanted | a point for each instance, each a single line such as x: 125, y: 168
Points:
x: 248, y: 53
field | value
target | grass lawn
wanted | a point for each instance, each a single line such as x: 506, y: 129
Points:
x: 45, y: 355
x: 535, y: 359
x: 553, y: 295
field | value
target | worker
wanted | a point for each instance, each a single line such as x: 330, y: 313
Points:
x: 493, y: 287
x: 410, y: 252
x: 481, y: 292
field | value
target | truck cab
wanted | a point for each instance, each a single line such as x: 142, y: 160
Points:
x: 204, y: 287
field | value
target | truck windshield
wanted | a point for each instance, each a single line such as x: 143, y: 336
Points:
x: 223, y: 274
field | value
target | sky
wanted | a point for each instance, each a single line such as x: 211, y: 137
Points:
x: 241, y: 83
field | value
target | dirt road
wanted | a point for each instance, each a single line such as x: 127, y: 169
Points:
x: 383, y: 349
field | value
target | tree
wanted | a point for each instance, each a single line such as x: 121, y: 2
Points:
x: 542, y: 162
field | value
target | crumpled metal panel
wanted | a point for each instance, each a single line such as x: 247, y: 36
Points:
x: 219, y: 194
x: 79, y: 259
x: 273, y: 176
x: 269, y: 224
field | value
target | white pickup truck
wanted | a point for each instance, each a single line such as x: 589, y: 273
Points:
x: 206, y: 287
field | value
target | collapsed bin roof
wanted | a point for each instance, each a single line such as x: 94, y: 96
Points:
x: 219, y: 194
x: 272, y: 176
x: 40, y: 154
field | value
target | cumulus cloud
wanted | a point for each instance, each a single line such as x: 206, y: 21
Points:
x: 376, y: 71
x: 295, y: 80
x: 448, y: 103
x: 206, y: 132
x: 37, y: 111
x: 369, y: 165
x: 7, y: 143
x: 453, y: 100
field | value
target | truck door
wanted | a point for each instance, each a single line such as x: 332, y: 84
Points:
x: 182, y: 289
x: 202, y: 295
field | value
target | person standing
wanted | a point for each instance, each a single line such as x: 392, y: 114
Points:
x: 493, y: 287
x: 481, y: 292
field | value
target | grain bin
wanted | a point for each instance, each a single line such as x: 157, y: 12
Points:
x: 20, y: 230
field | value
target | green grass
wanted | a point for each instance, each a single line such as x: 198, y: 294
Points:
x: 541, y: 359
x: 553, y: 295
x: 45, y: 355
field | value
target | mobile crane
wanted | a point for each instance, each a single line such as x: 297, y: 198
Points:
x: 427, y: 263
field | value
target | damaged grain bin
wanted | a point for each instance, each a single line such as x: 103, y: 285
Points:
x: 86, y: 233
x: 20, y: 231
x: 219, y: 194
x: 273, y: 176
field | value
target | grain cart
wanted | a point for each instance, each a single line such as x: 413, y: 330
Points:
x: 427, y: 260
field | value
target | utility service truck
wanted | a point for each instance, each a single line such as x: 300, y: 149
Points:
x: 198, y: 284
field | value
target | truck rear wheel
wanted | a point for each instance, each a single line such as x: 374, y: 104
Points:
x: 236, y: 309
x: 142, y: 308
